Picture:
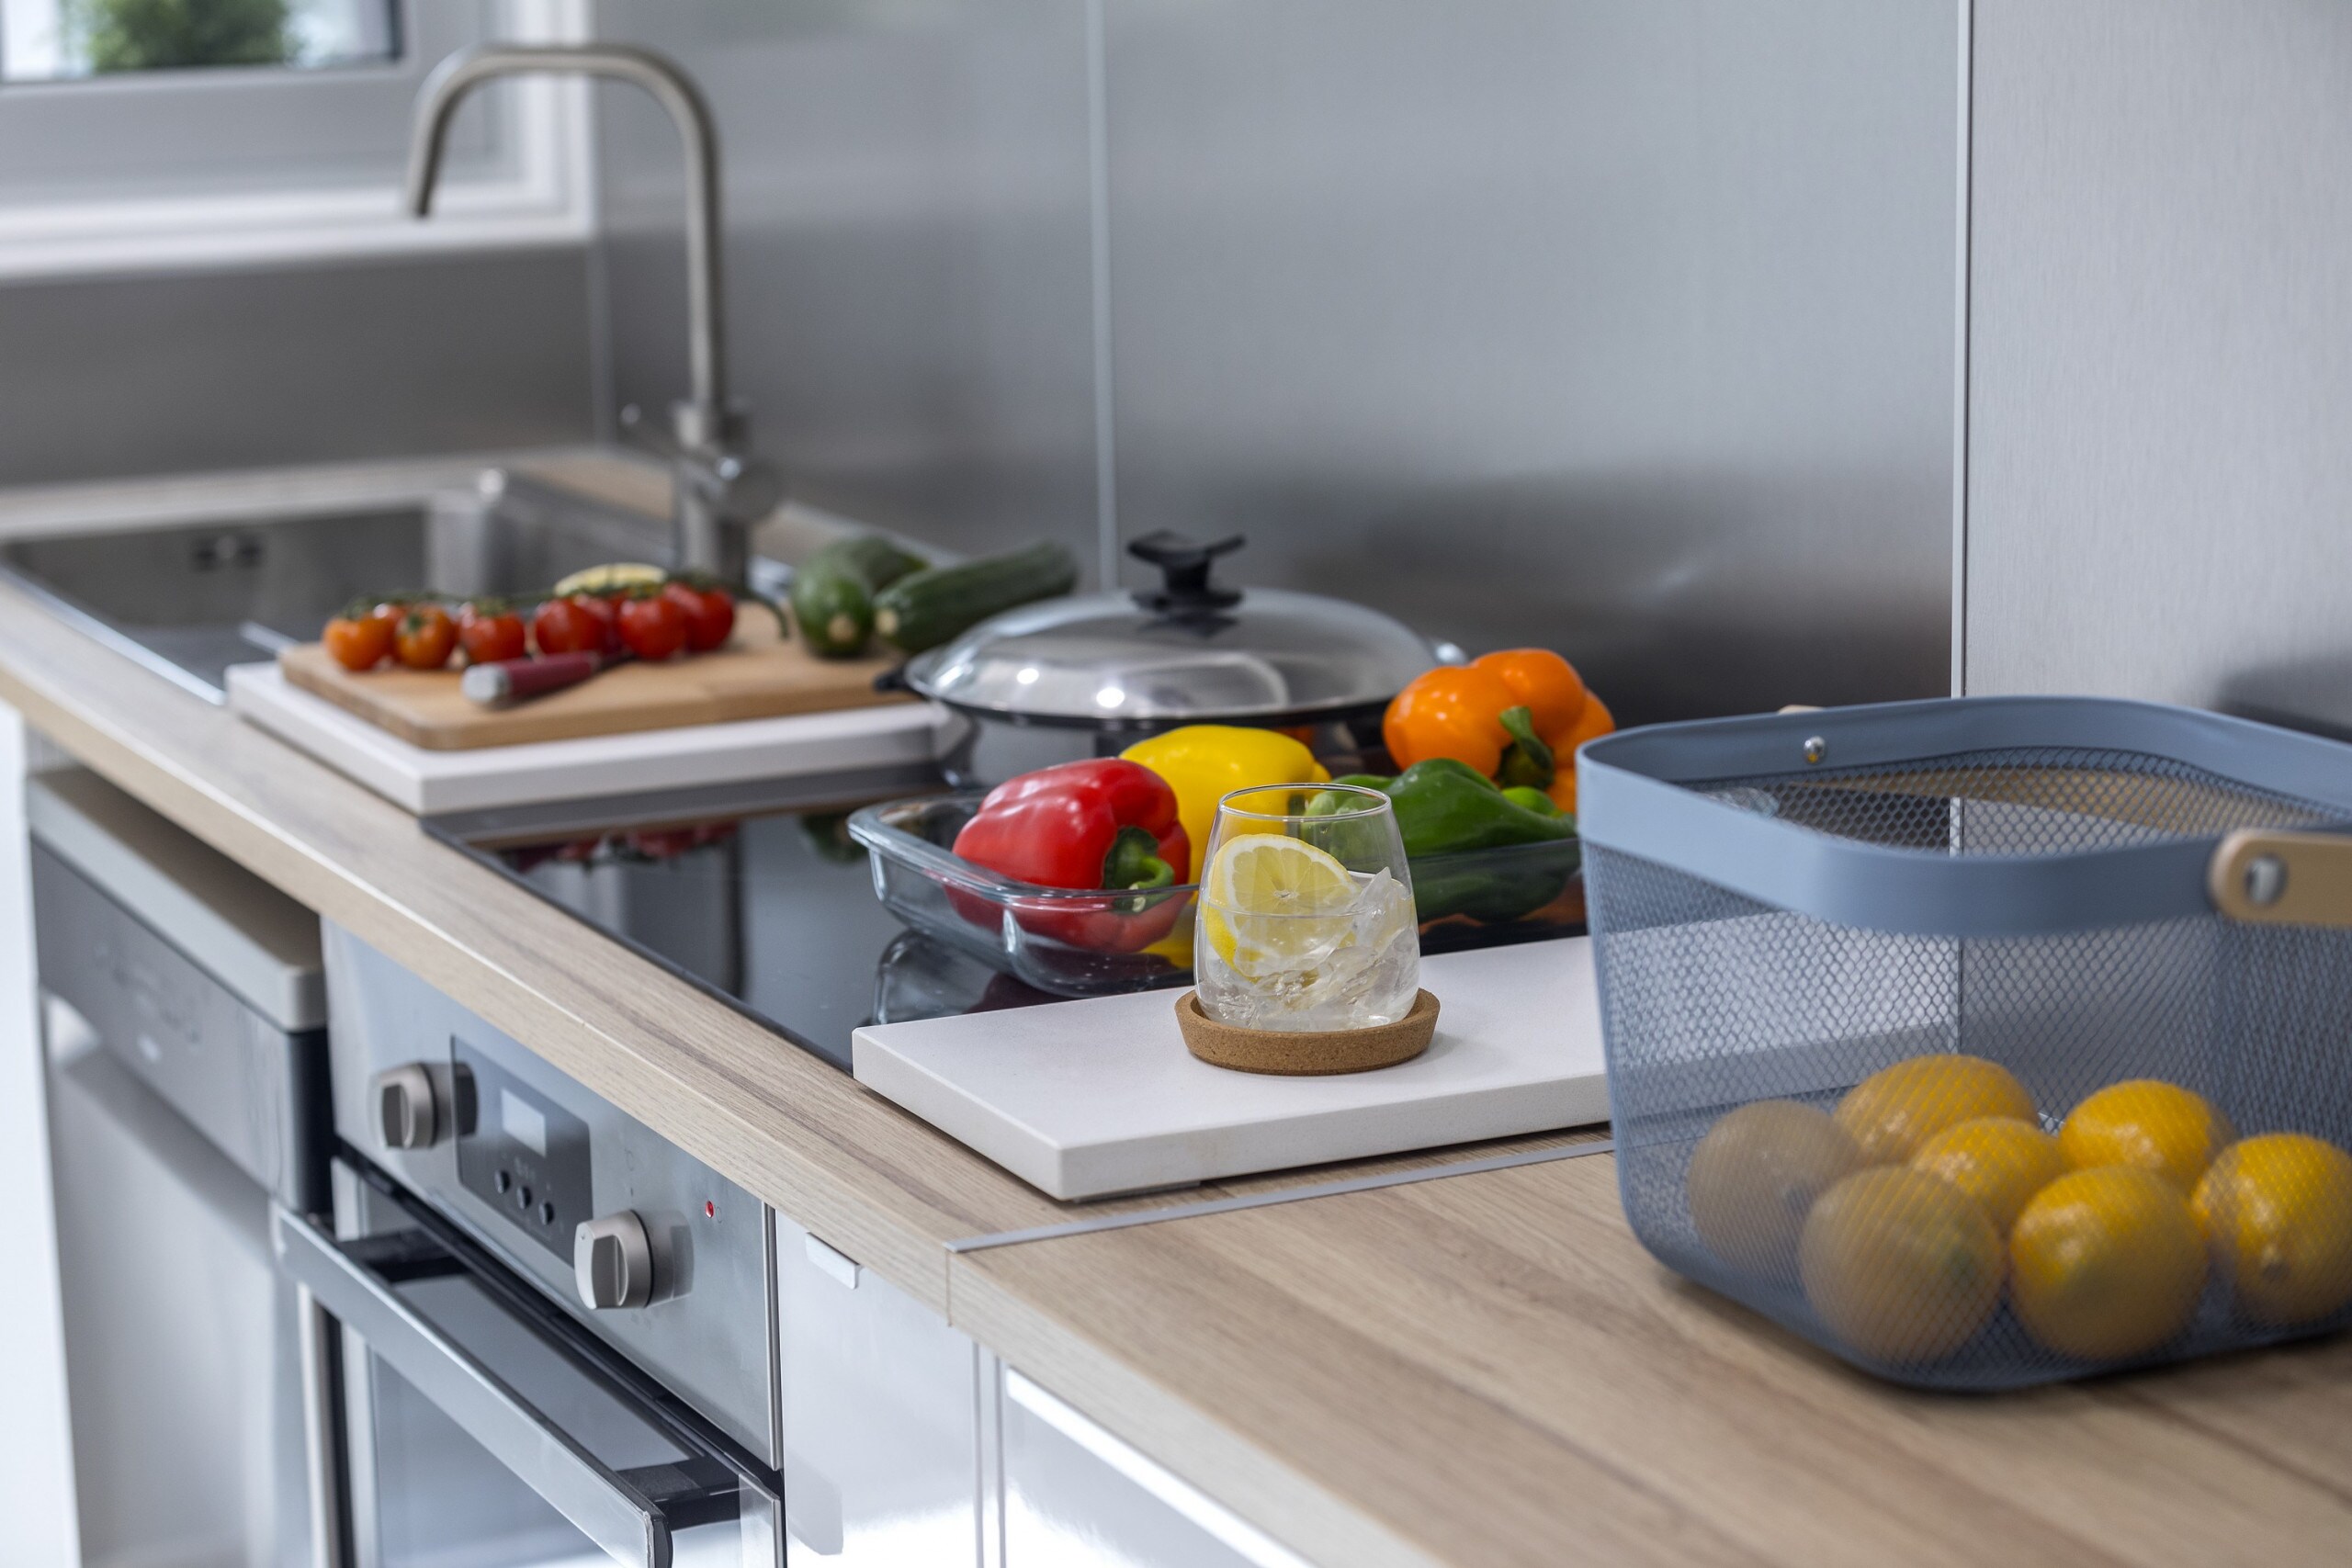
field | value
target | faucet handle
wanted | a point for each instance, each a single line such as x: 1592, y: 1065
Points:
x: 740, y: 489
x: 743, y: 489
x: 637, y: 428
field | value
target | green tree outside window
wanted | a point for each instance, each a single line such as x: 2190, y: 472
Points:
x: 157, y: 35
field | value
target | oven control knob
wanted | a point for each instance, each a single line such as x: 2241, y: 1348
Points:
x: 407, y: 1116
x: 612, y: 1260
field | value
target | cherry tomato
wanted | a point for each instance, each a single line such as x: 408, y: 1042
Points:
x: 489, y: 634
x: 662, y: 843
x: 562, y: 625
x: 359, y: 642
x: 606, y: 611
x: 653, y: 627
x: 710, y: 614
x: 427, y: 637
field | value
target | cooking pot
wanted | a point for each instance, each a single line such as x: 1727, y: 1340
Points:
x: 1089, y: 675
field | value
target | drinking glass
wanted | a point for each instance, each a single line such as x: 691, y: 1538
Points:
x: 1305, y: 911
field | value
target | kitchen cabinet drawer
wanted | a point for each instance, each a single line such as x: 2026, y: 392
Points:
x: 1075, y: 1493
x: 881, y: 1418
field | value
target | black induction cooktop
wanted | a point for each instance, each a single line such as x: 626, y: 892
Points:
x: 754, y: 892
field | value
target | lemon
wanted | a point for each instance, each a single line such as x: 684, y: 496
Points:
x: 1998, y: 1160
x: 1269, y: 901
x: 2277, y: 1212
x: 2157, y: 1126
x: 1892, y: 1113
x: 611, y: 577
x: 1754, y: 1178
x: 2106, y: 1263
x: 1900, y: 1265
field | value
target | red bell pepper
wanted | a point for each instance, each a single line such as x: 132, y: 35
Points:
x: 1106, y: 823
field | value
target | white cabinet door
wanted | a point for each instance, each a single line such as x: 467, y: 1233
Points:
x: 1075, y: 1497
x: 881, y: 1418
x: 36, y: 1444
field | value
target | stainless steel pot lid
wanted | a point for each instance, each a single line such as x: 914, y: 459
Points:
x: 1188, y: 650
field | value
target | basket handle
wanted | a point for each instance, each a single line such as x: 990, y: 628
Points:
x: 2283, y: 879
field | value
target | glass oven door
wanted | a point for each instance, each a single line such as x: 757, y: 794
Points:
x: 483, y: 1428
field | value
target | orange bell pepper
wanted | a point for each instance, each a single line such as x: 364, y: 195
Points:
x: 1517, y: 716
x: 1593, y: 723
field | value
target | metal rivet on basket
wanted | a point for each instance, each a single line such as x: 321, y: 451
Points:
x: 2266, y: 879
x: 1815, y: 747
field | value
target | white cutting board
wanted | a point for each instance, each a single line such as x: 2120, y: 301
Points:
x: 428, y: 782
x: 1089, y: 1098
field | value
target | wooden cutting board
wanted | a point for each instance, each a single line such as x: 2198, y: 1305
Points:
x: 757, y: 675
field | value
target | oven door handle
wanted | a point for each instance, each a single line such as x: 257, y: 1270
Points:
x: 612, y: 1510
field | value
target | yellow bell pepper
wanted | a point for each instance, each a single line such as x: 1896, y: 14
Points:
x: 1204, y: 763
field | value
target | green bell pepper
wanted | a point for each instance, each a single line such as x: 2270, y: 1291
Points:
x: 1534, y: 799
x: 1444, y: 806
x: 1447, y: 809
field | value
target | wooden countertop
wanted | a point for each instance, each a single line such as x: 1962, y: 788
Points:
x: 1490, y: 1370
x: 1481, y: 1369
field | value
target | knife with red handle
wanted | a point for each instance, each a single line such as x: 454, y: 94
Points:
x: 505, y: 682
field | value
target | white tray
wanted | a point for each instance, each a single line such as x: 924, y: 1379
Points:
x: 428, y: 782
x: 1089, y: 1098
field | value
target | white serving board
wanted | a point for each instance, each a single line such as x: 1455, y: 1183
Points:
x: 1089, y: 1098
x: 428, y: 782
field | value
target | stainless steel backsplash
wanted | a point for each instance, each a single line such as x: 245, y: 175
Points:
x: 1624, y: 326
x: 106, y: 376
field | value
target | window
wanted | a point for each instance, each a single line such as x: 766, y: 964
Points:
x: 124, y: 153
x: 51, y: 41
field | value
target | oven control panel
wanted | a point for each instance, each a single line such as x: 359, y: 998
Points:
x: 519, y: 1152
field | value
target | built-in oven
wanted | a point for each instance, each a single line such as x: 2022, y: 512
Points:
x: 559, y: 1328
x: 184, y: 1008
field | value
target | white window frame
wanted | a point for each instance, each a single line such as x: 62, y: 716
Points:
x: 547, y: 197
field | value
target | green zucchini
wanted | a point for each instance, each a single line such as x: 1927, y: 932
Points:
x: 925, y: 608
x: 832, y: 591
x: 876, y: 560
x: 834, y: 611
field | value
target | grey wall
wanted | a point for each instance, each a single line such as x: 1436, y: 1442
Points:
x: 2160, y: 476
x: 109, y: 376
x: 132, y: 373
x: 1621, y: 325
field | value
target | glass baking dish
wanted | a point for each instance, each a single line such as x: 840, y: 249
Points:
x: 1089, y: 942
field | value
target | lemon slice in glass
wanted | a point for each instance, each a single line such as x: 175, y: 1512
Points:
x: 1270, y: 902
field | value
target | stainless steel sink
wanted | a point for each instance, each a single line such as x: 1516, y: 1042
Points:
x: 189, y: 596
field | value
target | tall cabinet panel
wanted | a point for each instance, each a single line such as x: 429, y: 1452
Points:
x: 2160, y: 354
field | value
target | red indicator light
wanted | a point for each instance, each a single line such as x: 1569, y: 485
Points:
x: 709, y: 1210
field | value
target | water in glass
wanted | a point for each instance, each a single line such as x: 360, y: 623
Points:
x: 1305, y: 917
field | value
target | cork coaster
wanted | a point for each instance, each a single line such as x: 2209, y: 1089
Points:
x: 1306, y: 1053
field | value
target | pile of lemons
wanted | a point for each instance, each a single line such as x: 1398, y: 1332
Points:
x: 1931, y: 1189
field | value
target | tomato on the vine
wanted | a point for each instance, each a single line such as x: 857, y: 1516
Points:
x: 710, y: 614
x: 606, y: 608
x: 360, y: 640
x: 652, y: 627
x: 489, y: 632
x: 425, y: 639
x: 566, y: 625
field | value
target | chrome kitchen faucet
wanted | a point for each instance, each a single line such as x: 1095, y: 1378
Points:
x: 719, y: 492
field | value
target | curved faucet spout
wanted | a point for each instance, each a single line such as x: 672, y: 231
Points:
x: 458, y: 75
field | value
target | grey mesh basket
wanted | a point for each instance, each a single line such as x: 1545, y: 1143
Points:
x: 2085, y: 893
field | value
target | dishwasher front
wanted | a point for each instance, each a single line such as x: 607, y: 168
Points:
x: 183, y: 1005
